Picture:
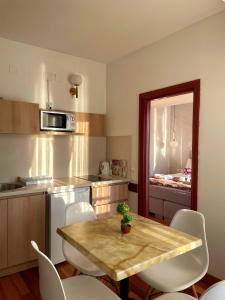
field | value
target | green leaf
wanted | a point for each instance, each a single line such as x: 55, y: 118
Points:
x: 123, y: 208
x: 127, y: 219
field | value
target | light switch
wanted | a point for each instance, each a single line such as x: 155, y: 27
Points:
x: 13, y: 69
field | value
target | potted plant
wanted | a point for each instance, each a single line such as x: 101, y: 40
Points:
x: 124, y: 209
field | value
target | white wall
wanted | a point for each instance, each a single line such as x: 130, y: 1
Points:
x: 22, y: 77
x: 58, y: 156
x: 196, y: 52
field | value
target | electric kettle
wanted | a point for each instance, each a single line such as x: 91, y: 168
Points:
x: 104, y: 168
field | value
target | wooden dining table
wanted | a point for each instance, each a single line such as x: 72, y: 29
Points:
x: 123, y: 255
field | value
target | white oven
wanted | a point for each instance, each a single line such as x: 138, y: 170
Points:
x: 57, y: 203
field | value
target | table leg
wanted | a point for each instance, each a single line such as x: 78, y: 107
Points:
x: 124, y: 288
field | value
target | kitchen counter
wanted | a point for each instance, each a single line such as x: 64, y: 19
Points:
x: 60, y: 185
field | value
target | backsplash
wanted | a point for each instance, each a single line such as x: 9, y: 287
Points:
x: 59, y: 156
x: 120, y: 147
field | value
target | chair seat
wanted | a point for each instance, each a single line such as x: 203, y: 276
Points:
x: 175, y: 296
x: 85, y: 288
x: 174, y: 275
x: 81, y: 262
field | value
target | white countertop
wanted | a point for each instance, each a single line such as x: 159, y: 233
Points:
x: 60, y: 185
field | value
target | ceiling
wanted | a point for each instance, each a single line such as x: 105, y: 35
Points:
x: 102, y: 30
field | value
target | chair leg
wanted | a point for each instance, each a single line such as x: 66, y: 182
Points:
x: 111, y: 281
x: 194, y: 291
x: 149, y: 292
x: 116, y: 285
x: 76, y: 272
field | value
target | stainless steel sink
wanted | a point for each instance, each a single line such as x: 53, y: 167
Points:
x: 8, y: 186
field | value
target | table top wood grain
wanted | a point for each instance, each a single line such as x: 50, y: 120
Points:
x: 123, y: 255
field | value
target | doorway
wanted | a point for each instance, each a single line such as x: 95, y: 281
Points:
x: 146, y: 103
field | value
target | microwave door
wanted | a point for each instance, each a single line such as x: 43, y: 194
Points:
x: 55, y: 121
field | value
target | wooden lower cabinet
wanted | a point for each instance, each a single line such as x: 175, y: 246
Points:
x: 106, y: 210
x: 25, y: 222
x: 105, y: 198
x: 3, y: 234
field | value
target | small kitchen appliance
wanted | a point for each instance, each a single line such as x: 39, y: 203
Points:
x: 56, y: 217
x: 57, y: 120
x: 104, y: 168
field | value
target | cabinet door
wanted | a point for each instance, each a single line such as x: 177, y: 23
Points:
x: 104, y: 211
x: 26, y: 222
x: 90, y: 124
x: 109, y: 193
x: 19, y: 117
x: 25, y: 117
x: 3, y: 234
x: 6, y: 116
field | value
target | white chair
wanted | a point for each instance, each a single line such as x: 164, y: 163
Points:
x: 80, y: 287
x: 76, y: 213
x: 215, y: 292
x: 185, y: 270
x: 175, y: 296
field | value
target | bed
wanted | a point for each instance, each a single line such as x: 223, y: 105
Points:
x: 166, y: 196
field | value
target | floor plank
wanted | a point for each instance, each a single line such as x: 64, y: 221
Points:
x: 8, y: 289
x: 19, y: 284
x: 25, y: 285
x: 30, y: 278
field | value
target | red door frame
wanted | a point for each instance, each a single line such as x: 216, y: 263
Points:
x: 144, y: 139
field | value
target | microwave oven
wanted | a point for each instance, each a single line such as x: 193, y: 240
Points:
x: 57, y: 120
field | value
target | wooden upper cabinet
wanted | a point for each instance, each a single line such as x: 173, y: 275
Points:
x: 6, y: 116
x: 26, y: 222
x: 19, y: 117
x: 3, y: 234
x: 90, y: 124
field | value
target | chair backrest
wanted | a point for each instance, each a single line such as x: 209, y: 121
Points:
x: 215, y: 292
x: 49, y: 281
x: 79, y: 212
x: 193, y: 223
x: 76, y: 213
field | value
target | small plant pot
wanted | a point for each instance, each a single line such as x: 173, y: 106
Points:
x: 125, y: 228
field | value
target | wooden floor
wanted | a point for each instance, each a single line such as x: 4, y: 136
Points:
x: 24, y: 285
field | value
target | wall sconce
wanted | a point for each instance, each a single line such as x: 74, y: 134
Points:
x: 75, y: 80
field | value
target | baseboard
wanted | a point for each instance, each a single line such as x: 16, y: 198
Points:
x: 18, y: 268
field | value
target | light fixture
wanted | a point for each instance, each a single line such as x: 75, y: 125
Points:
x: 173, y: 141
x: 75, y: 80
